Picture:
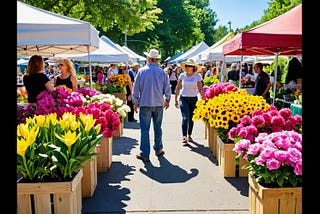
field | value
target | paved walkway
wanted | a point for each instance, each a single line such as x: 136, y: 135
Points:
x: 187, y: 179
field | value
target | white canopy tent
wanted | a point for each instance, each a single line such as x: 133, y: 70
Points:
x: 106, y: 53
x: 48, y: 34
x: 190, y: 53
x: 214, y: 52
x: 136, y: 57
x: 45, y: 33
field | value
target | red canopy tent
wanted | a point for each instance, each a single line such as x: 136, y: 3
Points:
x: 281, y: 35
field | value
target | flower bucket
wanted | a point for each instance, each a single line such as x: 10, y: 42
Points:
x: 50, y: 197
x: 104, y: 157
x: 283, y: 200
x: 227, y: 160
x: 123, y: 97
x: 212, y: 140
x: 89, y: 179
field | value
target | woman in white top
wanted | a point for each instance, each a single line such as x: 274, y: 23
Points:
x: 173, y: 78
x: 188, y: 86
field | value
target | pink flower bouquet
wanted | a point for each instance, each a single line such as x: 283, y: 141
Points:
x: 274, y: 159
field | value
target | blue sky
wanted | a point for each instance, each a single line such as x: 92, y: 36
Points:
x: 239, y: 12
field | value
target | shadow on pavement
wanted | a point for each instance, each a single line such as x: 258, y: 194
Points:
x: 202, y: 150
x: 167, y: 172
x: 131, y: 125
x: 109, y: 194
x: 123, y: 145
x: 241, y: 184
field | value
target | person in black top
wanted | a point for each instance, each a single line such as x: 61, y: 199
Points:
x: 67, y: 77
x: 262, y: 82
x: 233, y: 74
x: 132, y: 73
x: 123, y: 70
x: 35, y: 80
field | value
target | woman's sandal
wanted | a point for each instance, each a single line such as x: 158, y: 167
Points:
x: 190, y: 139
x: 184, y: 140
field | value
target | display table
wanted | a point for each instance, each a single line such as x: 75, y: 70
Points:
x: 296, y: 109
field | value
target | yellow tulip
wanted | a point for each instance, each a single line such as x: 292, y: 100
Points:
x: 22, y: 146
x: 22, y: 129
x: 66, y: 120
x: 88, y: 121
x: 40, y: 120
x: 69, y: 138
x: 32, y: 135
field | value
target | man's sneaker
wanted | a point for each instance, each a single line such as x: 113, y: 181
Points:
x: 160, y: 153
x: 142, y: 158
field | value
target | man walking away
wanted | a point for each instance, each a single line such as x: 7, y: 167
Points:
x: 151, y: 94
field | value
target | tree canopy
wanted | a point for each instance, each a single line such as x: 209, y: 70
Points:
x: 170, y: 26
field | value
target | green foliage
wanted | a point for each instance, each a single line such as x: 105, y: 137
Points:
x: 49, y: 148
x: 281, y: 70
x: 210, y: 80
x: 283, y: 177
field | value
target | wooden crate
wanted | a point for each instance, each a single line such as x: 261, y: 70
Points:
x: 118, y: 133
x: 122, y: 96
x: 212, y: 140
x: 90, y: 178
x: 227, y: 160
x: 206, y: 126
x: 50, y: 197
x: 104, y: 157
x: 264, y: 200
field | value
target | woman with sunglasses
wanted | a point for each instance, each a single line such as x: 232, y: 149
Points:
x: 67, y: 77
x: 188, y: 87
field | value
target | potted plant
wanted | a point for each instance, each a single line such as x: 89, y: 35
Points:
x: 224, y: 112
x: 104, y: 157
x: 51, y: 151
x: 274, y: 161
x: 211, y: 90
x: 271, y: 120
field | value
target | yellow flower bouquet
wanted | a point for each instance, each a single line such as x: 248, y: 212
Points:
x: 225, y: 110
x: 115, y: 83
x: 52, y: 149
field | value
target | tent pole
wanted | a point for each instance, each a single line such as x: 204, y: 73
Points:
x: 240, y: 70
x: 90, y: 70
x: 275, y: 78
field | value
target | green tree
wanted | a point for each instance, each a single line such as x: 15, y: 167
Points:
x: 127, y: 15
x: 276, y: 8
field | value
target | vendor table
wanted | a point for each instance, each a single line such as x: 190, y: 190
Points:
x: 296, y: 109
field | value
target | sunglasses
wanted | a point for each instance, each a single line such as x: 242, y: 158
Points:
x: 60, y: 65
x: 189, y: 66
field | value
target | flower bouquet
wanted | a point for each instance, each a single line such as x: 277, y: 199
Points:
x: 218, y: 88
x: 225, y: 110
x: 62, y: 100
x: 272, y: 120
x: 275, y: 159
x: 115, y: 83
x: 116, y: 104
x: 53, y: 149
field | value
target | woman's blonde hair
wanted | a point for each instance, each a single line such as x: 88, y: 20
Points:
x: 35, y: 64
x: 67, y: 62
